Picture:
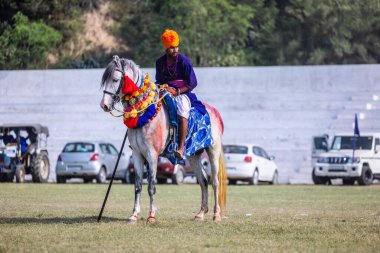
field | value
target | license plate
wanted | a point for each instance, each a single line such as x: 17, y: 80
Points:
x: 336, y: 167
x: 75, y: 168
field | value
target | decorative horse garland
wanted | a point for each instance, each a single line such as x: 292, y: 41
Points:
x: 142, y: 106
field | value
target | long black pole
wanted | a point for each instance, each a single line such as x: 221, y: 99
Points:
x: 113, y: 175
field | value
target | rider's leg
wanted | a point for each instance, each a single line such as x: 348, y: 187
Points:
x: 183, y: 110
x: 181, y: 136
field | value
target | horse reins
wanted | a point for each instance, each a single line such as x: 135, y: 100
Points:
x: 115, y: 96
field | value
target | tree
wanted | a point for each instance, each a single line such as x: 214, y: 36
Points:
x: 212, y: 33
x: 26, y: 44
x: 324, y: 32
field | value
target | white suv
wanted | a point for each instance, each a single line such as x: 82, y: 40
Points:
x: 350, y: 158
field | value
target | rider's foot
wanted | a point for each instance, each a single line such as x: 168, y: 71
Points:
x: 181, y: 137
x: 178, y: 153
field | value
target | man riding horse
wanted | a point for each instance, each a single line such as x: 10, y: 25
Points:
x: 175, y: 69
x: 149, y: 123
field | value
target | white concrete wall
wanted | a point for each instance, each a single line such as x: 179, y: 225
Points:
x: 279, y: 108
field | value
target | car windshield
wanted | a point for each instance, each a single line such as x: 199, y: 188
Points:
x: 79, y: 147
x: 347, y: 142
x: 234, y: 149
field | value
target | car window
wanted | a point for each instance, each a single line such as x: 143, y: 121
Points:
x: 349, y: 142
x: 264, y: 154
x: 113, y: 150
x: 79, y: 147
x: 377, y: 142
x: 234, y: 149
x: 256, y: 151
x: 104, y: 149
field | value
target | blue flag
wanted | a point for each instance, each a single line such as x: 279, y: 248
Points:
x: 356, y: 134
x: 356, y: 127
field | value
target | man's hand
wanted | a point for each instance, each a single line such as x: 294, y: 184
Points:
x: 172, y: 91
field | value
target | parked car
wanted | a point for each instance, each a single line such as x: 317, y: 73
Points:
x: 166, y: 170
x: 351, y: 158
x: 90, y: 160
x: 249, y: 163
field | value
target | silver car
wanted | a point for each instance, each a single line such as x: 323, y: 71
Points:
x: 90, y: 160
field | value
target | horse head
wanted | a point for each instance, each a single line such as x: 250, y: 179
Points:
x: 120, y: 74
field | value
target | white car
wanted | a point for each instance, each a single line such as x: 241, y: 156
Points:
x: 250, y: 163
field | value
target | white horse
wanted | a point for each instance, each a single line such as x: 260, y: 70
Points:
x: 149, y: 141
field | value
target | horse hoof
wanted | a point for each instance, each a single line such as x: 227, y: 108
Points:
x: 151, y: 220
x: 198, y: 218
x: 217, y: 218
x: 130, y: 221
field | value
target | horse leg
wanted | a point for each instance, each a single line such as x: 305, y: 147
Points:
x: 213, y: 154
x: 138, y: 161
x: 195, y: 163
x: 152, y: 186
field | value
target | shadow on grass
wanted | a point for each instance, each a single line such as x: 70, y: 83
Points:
x: 57, y: 220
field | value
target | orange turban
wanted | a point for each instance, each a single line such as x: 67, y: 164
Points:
x: 170, y: 38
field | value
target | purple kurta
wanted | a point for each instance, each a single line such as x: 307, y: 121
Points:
x: 179, y: 74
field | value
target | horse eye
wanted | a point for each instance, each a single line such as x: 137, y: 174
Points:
x: 115, y: 80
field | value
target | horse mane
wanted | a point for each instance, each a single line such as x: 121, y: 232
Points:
x: 108, y: 73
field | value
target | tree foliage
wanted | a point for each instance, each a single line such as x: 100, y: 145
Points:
x: 323, y: 32
x: 212, y: 32
x: 26, y: 44
x: 62, y: 16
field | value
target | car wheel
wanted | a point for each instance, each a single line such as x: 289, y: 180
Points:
x: 317, y: 179
x: 366, y: 177
x: 61, y: 180
x: 178, y: 177
x: 9, y: 177
x: 101, y: 177
x: 3, y: 177
x: 349, y: 181
x: 131, y: 178
x: 274, y: 178
x: 125, y: 179
x: 254, y: 180
x: 232, y: 181
x: 20, y: 174
x: 162, y: 180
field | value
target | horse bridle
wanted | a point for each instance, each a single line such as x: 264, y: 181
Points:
x: 115, y: 96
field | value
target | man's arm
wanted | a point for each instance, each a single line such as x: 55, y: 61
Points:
x: 191, y: 79
x: 159, y: 77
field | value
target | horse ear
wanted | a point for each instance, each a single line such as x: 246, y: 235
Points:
x: 116, y: 60
x: 128, y: 85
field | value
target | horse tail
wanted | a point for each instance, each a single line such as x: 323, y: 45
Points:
x: 222, y: 178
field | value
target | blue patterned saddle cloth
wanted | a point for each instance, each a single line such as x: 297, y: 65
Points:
x: 198, y: 136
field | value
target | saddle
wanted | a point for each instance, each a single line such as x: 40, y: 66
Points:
x: 198, y: 134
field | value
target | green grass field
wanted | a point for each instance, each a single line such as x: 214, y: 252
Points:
x: 283, y: 218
